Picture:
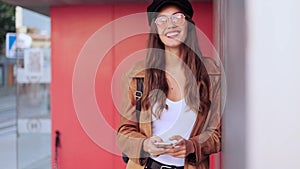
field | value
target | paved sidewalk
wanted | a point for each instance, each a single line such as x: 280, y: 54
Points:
x: 32, y: 151
x: 7, y: 108
x: 8, y: 137
x: 8, y: 153
x: 29, y: 150
x: 7, y: 114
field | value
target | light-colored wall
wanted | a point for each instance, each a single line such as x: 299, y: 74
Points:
x: 273, y: 84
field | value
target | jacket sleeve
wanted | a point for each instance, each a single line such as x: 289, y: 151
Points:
x: 208, y: 140
x: 129, y: 138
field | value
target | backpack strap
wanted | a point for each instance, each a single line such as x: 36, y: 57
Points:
x: 138, y: 96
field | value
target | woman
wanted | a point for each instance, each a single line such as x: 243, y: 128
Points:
x: 179, y: 124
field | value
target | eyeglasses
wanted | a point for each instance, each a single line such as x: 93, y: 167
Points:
x: 177, y: 19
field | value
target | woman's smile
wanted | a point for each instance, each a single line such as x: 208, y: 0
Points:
x: 172, y: 34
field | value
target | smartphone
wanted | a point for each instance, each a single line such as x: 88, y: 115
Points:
x: 163, y: 144
x: 167, y: 144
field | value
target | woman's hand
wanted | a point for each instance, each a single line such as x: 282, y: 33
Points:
x: 181, y: 148
x: 152, y: 149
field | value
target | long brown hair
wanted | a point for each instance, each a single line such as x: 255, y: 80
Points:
x: 156, y: 86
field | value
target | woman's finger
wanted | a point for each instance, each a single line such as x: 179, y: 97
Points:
x: 178, y: 154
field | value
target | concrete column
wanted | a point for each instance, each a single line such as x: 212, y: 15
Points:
x: 234, y: 117
x: 262, y: 63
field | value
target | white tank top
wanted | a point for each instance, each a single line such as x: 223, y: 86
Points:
x: 177, y: 120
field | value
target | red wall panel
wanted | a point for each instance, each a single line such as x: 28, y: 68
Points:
x: 72, y: 27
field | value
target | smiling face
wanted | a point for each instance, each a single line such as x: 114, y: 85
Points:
x: 171, y: 26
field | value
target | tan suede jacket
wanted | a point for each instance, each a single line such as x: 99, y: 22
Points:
x: 206, y: 134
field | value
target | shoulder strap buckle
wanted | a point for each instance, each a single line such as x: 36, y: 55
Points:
x: 138, y: 95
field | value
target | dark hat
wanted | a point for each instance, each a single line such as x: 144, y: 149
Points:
x: 157, y: 5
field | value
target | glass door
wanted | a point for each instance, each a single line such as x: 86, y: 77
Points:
x: 33, y: 109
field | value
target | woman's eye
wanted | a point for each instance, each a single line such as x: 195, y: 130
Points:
x: 163, y: 19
